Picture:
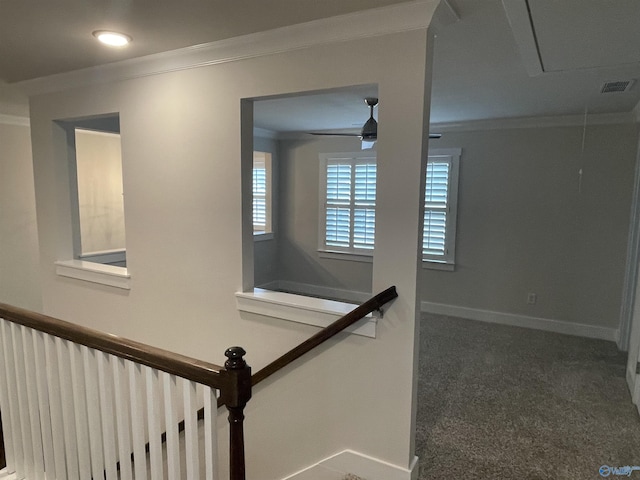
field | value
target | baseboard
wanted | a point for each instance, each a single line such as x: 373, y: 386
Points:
x: 337, y: 466
x: 549, y: 325
x: 5, y: 475
x: 351, y: 296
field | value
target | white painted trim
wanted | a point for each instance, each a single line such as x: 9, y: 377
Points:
x: 262, y: 237
x: 109, y: 275
x: 443, y: 266
x: 302, y: 309
x: 546, y: 324
x: 631, y: 265
x: 532, y: 122
x: 105, y: 256
x: 5, y: 475
x: 337, y: 466
x: 444, y: 16
x: 14, y: 120
x: 374, y: 22
x: 349, y: 296
x: 348, y: 256
x: 520, y: 22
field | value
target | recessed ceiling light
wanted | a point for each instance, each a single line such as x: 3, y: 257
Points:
x: 113, y: 39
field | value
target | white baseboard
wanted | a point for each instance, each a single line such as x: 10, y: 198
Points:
x: 547, y: 324
x: 337, y: 466
x: 5, y: 475
x: 351, y: 296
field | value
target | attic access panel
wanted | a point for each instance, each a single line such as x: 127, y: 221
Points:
x: 579, y: 34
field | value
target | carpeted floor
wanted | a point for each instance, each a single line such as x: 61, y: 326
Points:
x: 499, y: 402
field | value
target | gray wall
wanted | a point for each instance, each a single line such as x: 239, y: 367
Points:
x: 298, y: 256
x: 265, y: 262
x: 524, y: 226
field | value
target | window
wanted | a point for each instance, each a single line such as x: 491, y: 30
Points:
x: 262, y: 193
x: 348, y: 212
x: 440, y: 207
x: 348, y: 187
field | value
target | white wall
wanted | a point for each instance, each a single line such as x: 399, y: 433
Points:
x: 181, y: 148
x: 19, y: 258
x: 100, y: 196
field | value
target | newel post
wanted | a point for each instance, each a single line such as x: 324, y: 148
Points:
x: 235, y: 398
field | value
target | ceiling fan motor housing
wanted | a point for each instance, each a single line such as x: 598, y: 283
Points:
x: 370, y: 128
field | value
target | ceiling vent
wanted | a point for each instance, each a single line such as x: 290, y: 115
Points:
x: 613, y: 87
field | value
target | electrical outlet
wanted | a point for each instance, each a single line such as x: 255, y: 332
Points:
x: 532, y: 298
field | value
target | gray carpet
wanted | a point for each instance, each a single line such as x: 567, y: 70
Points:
x: 499, y: 402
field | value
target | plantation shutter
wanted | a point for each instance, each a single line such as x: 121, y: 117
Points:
x: 364, y: 213
x: 338, y: 222
x: 350, y: 204
x: 436, y: 209
x: 259, y: 194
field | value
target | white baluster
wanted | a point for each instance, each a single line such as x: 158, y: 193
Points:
x: 93, y: 411
x: 81, y: 415
x: 43, y: 401
x: 171, y: 426
x: 154, y: 415
x: 191, y: 429
x: 9, y: 404
x: 210, y: 434
x: 105, y: 386
x: 23, y: 407
x: 122, y: 417
x: 55, y: 406
x: 68, y: 409
x: 136, y: 380
x: 32, y: 394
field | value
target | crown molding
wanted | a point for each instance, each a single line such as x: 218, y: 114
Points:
x: 14, y: 120
x: 535, y: 122
x: 375, y: 22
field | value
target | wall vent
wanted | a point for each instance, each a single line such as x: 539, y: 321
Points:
x: 620, y: 86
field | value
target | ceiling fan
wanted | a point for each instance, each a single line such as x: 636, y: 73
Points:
x: 369, y: 132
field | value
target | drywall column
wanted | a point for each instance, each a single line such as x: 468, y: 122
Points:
x: 401, y: 170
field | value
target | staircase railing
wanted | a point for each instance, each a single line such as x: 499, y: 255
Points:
x: 77, y: 402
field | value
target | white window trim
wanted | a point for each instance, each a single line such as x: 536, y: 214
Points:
x: 318, y: 312
x: 354, y: 254
x: 110, y: 275
x: 448, y: 261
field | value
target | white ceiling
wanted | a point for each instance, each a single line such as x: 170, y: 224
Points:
x: 482, y: 66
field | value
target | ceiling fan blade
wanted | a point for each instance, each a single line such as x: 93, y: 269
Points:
x: 329, y: 134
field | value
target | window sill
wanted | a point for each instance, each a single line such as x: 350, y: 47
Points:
x: 353, y: 257
x: 109, y: 275
x: 301, y: 309
x: 447, y: 267
x: 105, y: 257
x: 261, y: 237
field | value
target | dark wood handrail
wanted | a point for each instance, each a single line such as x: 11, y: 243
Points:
x: 181, y: 365
x: 358, y: 313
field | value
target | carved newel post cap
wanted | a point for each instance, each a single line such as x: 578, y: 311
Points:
x: 235, y: 360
